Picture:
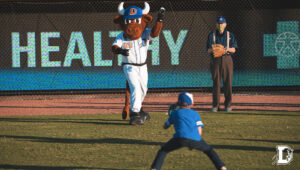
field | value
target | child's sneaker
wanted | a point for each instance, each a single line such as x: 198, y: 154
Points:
x: 214, y: 109
x: 228, y: 109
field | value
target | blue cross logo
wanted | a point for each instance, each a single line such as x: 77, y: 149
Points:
x: 285, y: 45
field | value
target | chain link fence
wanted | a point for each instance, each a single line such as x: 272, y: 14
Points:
x: 65, y: 46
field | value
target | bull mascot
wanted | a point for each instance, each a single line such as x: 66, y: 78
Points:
x: 132, y: 43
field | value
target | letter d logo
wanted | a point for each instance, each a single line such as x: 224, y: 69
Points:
x: 280, y: 159
x: 132, y: 11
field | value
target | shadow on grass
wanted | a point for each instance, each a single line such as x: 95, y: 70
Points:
x: 254, y: 104
x: 296, y: 113
x: 63, y: 107
x: 83, y: 141
x: 52, y: 120
x: 265, y: 140
x: 38, y: 167
x: 129, y: 142
x: 245, y: 148
x: 165, y: 109
x: 275, y: 107
x: 264, y: 113
x: 248, y: 148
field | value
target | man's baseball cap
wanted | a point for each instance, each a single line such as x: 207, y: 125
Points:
x: 133, y: 12
x: 221, y: 19
x: 185, y: 97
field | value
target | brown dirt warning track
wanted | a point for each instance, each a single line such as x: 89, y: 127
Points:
x: 154, y: 102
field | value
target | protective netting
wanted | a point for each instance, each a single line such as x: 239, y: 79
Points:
x: 66, y: 45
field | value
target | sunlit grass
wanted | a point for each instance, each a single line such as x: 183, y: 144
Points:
x: 243, y: 140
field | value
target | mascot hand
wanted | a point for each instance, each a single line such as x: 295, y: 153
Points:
x: 161, y: 14
x: 124, y: 52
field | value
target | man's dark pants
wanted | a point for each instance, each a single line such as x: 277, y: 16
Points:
x: 176, y: 143
x: 222, y: 67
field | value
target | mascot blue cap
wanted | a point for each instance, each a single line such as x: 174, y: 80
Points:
x: 133, y: 12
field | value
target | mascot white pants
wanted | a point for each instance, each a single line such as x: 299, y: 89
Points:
x: 137, y: 78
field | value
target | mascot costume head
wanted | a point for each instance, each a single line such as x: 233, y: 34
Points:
x: 133, y: 20
x: 132, y: 43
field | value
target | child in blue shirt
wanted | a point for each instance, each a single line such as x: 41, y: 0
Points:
x: 188, y: 130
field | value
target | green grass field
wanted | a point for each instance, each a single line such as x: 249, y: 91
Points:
x: 243, y: 140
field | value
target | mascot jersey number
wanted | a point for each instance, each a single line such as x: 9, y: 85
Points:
x: 133, y: 44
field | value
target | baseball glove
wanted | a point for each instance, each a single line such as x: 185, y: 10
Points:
x: 172, y: 108
x: 218, y: 50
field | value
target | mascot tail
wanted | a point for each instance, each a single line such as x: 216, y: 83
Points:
x: 125, y: 112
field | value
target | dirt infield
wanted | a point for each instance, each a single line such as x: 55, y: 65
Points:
x: 113, y: 103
